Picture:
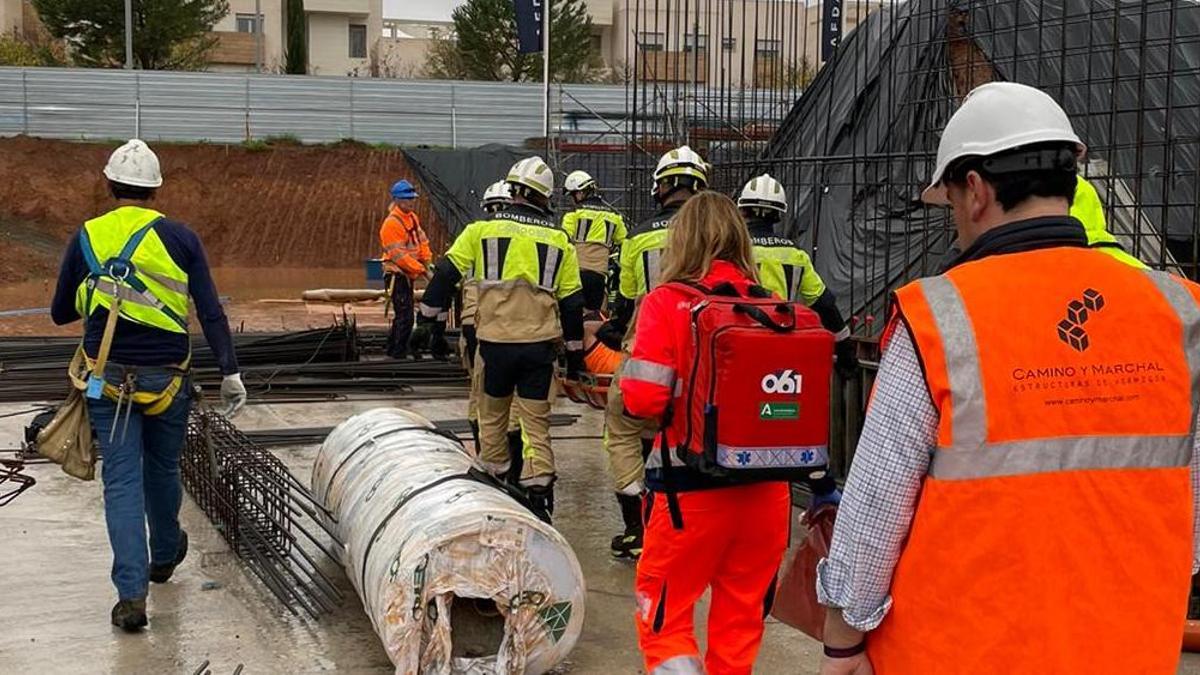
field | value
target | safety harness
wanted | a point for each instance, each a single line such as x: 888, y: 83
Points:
x: 118, y: 277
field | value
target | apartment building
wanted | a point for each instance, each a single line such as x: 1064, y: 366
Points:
x: 342, y: 36
x: 731, y: 42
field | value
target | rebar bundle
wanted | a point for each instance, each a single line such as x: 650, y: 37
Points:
x: 265, y: 514
x: 314, y: 364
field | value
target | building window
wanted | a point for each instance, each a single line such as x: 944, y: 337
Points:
x: 247, y: 24
x: 694, y: 41
x: 764, y: 47
x: 651, y: 42
x: 729, y: 44
x: 597, y: 44
x: 358, y: 41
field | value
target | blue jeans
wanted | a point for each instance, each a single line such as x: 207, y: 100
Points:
x: 140, y: 468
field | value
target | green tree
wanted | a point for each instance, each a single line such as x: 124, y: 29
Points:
x: 167, y: 34
x: 296, y: 57
x: 483, y: 45
x: 26, y: 50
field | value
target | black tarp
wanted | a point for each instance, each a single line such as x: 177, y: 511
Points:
x: 858, y: 146
x: 454, y: 180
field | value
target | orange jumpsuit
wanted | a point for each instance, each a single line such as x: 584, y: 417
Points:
x: 733, y: 537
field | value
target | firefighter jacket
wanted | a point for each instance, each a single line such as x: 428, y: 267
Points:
x: 596, y: 230
x: 528, y: 277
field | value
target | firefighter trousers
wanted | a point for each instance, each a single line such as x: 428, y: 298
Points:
x: 625, y: 437
x: 732, y: 540
x: 516, y: 377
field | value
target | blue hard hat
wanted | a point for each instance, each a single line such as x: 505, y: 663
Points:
x: 403, y: 190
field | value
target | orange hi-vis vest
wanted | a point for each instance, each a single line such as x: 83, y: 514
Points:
x: 405, y: 246
x: 1053, y: 532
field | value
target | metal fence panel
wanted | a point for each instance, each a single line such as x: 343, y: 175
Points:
x: 78, y: 103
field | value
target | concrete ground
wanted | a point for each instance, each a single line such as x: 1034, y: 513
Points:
x: 56, y: 595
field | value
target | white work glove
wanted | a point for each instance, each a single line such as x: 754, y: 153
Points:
x: 233, y: 395
x: 634, y: 489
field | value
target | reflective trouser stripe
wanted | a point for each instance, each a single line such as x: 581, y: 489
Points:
x: 680, y: 665
x: 648, y: 371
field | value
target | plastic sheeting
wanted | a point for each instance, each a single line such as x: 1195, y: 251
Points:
x: 858, y: 147
x: 455, y: 575
x: 455, y: 179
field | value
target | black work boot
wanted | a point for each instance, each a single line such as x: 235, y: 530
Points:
x: 628, y: 545
x: 516, y: 455
x: 160, y: 574
x: 130, y: 615
x: 541, y: 498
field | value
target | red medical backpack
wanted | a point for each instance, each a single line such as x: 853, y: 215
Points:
x: 755, y: 398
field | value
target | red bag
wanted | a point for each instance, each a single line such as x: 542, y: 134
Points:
x: 796, y: 597
x: 755, y: 403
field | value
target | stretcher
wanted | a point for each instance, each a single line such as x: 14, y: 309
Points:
x: 591, y: 389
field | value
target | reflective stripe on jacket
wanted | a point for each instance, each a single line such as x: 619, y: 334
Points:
x: 405, y: 246
x: 1058, y: 504
x: 155, y: 292
x: 641, y: 255
x: 523, y: 265
x: 595, y: 230
x: 786, y: 270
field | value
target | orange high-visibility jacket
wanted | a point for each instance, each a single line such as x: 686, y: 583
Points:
x: 1053, y: 533
x: 405, y: 246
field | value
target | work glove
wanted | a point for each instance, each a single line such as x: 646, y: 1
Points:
x: 574, y: 365
x: 611, y: 335
x: 847, y: 358
x: 233, y: 395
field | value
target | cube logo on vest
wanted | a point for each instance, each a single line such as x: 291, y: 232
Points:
x: 1070, y: 329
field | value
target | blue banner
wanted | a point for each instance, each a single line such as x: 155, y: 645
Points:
x: 831, y: 27
x: 529, y: 25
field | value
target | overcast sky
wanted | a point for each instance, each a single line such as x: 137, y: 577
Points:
x: 421, y: 10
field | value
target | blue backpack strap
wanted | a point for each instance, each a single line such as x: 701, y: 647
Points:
x: 89, y: 254
x: 136, y: 240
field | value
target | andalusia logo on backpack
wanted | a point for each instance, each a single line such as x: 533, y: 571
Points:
x: 785, y: 382
x: 757, y: 390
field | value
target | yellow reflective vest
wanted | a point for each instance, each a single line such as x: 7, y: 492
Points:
x: 126, y: 258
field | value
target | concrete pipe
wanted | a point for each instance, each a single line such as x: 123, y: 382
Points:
x: 455, y: 575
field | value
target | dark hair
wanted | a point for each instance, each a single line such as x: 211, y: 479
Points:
x: 764, y: 213
x: 1015, y: 186
x: 126, y: 191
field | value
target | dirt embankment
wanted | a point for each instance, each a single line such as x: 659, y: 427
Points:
x: 283, y: 206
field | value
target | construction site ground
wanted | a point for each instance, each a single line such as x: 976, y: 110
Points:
x: 57, y: 593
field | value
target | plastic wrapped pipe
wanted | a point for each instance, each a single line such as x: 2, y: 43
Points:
x: 455, y: 575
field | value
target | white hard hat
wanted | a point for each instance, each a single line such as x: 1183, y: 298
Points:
x: 995, y: 117
x: 682, y: 161
x: 134, y: 164
x: 763, y: 192
x: 578, y: 180
x: 496, y: 193
x: 534, y: 174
